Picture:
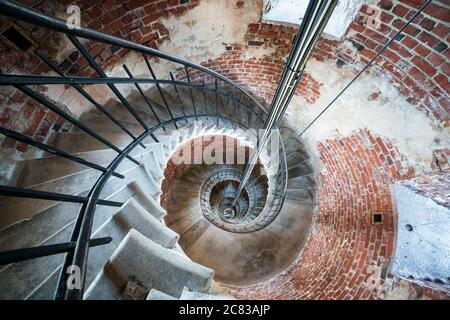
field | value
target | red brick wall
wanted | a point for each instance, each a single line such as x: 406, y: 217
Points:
x: 418, y: 62
x: 346, y: 255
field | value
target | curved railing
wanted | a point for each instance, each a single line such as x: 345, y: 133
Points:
x: 189, y: 75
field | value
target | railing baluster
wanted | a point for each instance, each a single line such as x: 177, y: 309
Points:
x: 248, y: 118
x: 190, y: 91
x: 144, y: 96
x: 22, y: 138
x: 216, y: 88
x: 102, y: 74
x: 18, y: 255
x: 159, y: 90
x: 183, y: 109
x: 41, y: 54
x: 63, y: 275
x: 205, y: 100
x: 69, y: 118
x: 44, y: 195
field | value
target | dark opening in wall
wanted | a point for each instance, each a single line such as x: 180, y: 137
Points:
x: 14, y: 35
x: 377, y: 218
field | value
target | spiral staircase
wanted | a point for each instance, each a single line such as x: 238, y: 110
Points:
x: 93, y: 200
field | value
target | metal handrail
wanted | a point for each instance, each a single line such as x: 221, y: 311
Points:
x: 78, y: 246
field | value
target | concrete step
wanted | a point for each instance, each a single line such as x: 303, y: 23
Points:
x: 103, y: 124
x: 301, y: 195
x: 191, y: 235
x: 120, y: 112
x: 195, y: 295
x: 187, y: 295
x: 110, y: 222
x: 256, y: 256
x: 158, y: 295
x: 54, y: 225
x: 160, y: 105
x: 152, y: 266
x: 307, y: 181
x: 300, y: 169
x: 16, y: 209
x: 75, y: 142
x: 36, y: 171
x: 184, y: 224
x: 182, y: 187
x: 177, y: 208
x: 186, y: 100
x: 295, y: 157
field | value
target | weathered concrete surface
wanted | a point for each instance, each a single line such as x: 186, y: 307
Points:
x: 244, y: 259
x: 423, y: 239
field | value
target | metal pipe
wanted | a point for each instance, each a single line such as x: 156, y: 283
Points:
x: 18, y: 255
x: 44, y: 195
x: 316, y: 17
x: 23, y: 138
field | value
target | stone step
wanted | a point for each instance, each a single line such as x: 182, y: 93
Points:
x: 195, y: 295
x: 75, y: 142
x: 307, y: 181
x: 186, y: 100
x: 33, y: 277
x: 16, y: 209
x: 120, y: 112
x: 177, y: 209
x: 103, y: 124
x: 112, y: 222
x: 264, y: 253
x: 295, y: 157
x: 158, y: 103
x: 187, y: 295
x: 37, y: 171
x: 158, y: 295
x: 184, y: 224
x: 193, y: 233
x: 300, y: 169
x: 302, y: 195
x: 152, y: 266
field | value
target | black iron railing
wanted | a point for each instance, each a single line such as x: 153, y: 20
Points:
x: 236, y: 100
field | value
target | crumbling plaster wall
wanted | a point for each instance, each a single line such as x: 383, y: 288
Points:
x: 372, y: 103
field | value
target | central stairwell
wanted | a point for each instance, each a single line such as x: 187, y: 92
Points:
x: 193, y: 243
